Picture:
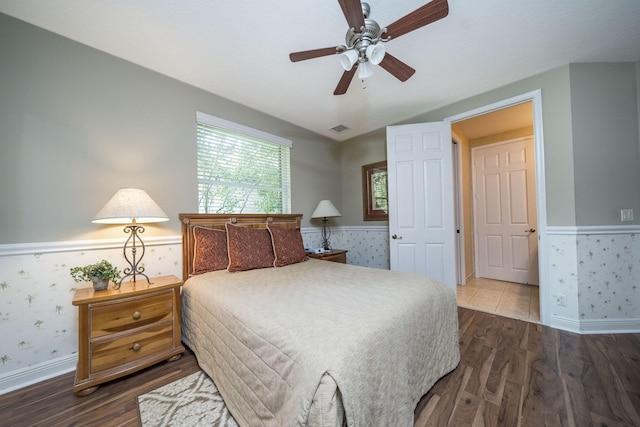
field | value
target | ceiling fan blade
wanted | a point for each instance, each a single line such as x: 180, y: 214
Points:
x: 344, y: 82
x: 310, y: 54
x: 397, y: 68
x: 352, y: 10
x: 430, y: 12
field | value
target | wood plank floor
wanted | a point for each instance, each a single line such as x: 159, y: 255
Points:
x: 512, y: 373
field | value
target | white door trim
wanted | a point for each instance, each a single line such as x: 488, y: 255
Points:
x: 541, y: 200
x: 457, y: 182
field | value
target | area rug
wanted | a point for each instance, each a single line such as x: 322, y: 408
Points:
x: 189, y: 401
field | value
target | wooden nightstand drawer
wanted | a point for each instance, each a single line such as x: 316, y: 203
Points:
x: 121, y: 331
x: 107, y: 353
x: 117, y: 316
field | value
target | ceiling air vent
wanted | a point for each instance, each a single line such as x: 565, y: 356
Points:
x: 339, y: 128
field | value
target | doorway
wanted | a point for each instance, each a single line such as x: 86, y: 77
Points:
x: 504, y: 210
x: 514, y: 118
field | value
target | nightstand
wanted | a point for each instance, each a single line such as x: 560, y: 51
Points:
x: 121, y: 331
x: 335, y: 255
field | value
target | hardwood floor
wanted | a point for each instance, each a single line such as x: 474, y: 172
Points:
x: 517, y: 373
x: 511, y: 373
x: 53, y: 403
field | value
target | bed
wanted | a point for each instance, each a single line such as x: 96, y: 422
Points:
x: 309, y: 342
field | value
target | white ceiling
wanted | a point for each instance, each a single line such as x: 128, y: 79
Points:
x: 239, y: 49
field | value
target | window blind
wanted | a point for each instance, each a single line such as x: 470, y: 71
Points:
x: 240, y: 169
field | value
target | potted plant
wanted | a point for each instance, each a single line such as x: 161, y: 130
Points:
x: 100, y: 274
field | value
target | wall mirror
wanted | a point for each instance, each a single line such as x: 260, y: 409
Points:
x: 374, y: 191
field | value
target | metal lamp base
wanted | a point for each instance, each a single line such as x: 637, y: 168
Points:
x: 134, y: 269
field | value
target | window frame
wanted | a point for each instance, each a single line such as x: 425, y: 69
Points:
x: 371, y: 209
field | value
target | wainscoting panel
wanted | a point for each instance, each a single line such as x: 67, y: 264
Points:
x: 597, y: 268
x: 367, y: 246
x: 38, y: 323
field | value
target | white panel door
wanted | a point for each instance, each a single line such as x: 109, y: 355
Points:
x: 421, y: 209
x: 505, y: 213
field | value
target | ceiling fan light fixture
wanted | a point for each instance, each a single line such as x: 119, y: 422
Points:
x: 363, y: 38
x: 348, y: 58
x: 364, y: 70
x: 375, y: 53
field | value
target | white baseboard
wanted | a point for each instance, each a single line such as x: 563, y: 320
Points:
x: 564, y: 323
x: 34, y: 374
x: 596, y: 326
x: 610, y: 326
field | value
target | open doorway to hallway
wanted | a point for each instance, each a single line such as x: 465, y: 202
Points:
x: 493, y: 240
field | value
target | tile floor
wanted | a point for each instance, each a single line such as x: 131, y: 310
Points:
x: 507, y: 299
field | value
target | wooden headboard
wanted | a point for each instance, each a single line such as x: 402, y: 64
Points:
x: 217, y: 221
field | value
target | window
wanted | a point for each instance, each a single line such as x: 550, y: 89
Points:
x: 374, y: 190
x: 240, y: 169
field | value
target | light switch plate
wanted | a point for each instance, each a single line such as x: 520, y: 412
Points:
x: 626, y: 215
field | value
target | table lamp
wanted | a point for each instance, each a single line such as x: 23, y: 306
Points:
x: 131, y: 205
x: 324, y: 210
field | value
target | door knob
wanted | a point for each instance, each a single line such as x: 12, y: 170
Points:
x: 531, y: 230
x: 395, y: 236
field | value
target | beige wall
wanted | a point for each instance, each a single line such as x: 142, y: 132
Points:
x: 584, y: 107
x: 356, y: 153
x: 77, y: 124
x: 604, y: 111
x: 558, y: 143
x: 638, y: 95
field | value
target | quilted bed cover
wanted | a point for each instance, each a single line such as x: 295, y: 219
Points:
x: 321, y: 343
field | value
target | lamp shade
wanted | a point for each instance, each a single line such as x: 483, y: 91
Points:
x: 375, y: 53
x: 325, y: 209
x: 130, y: 204
x: 348, y: 58
x: 364, y: 70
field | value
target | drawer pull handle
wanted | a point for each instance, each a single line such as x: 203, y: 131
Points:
x: 136, y: 346
x: 136, y: 315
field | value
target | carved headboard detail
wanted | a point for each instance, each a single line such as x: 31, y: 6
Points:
x: 218, y: 221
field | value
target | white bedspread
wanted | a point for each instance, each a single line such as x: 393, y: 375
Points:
x: 269, y: 337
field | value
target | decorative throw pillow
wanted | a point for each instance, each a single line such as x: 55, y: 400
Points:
x: 249, y: 248
x: 288, y: 247
x: 209, y: 250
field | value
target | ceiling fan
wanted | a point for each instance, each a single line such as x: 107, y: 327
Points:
x: 365, y: 37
